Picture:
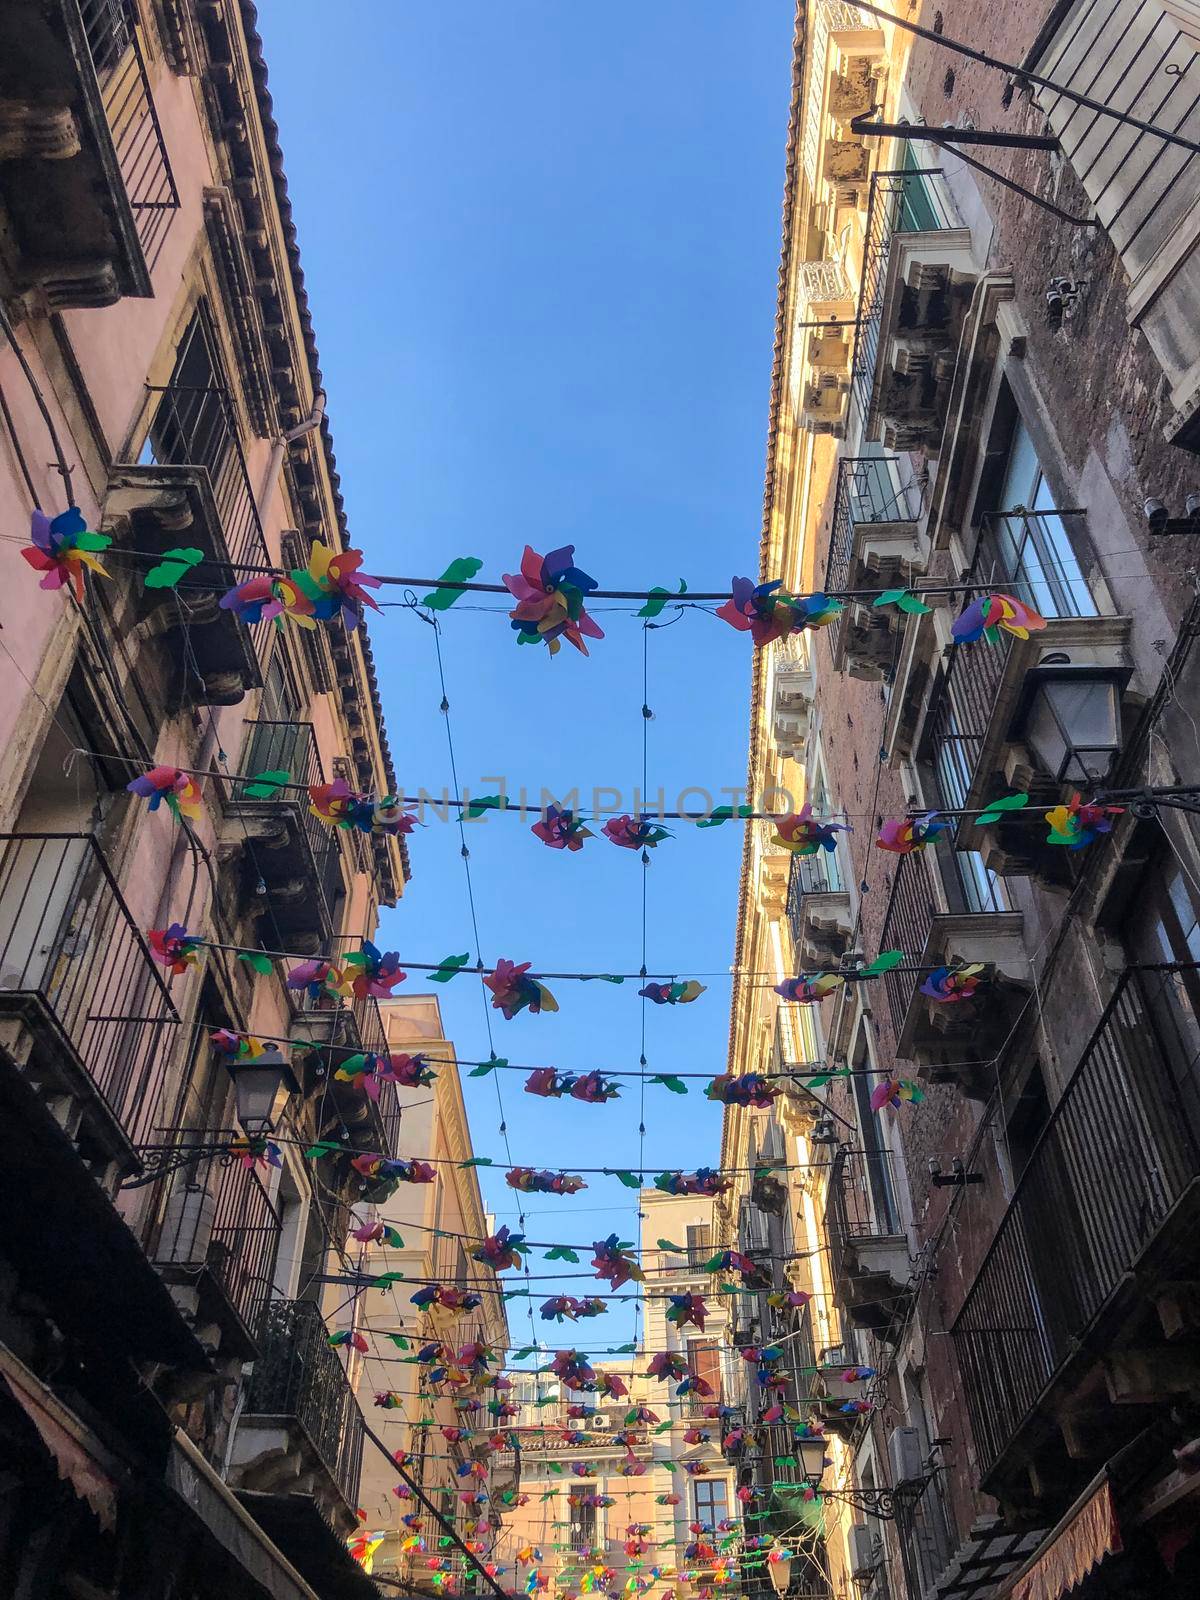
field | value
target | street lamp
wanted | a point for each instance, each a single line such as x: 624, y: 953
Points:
x: 1071, y: 720
x: 812, y: 1458
x: 256, y: 1086
x: 779, y: 1568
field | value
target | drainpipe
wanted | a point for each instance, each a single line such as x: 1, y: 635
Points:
x: 265, y: 499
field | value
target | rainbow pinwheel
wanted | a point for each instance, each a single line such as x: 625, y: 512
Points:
x: 693, y: 1383
x: 573, y: 1370
x: 444, y: 1298
x: 339, y: 806
x: 501, y: 1250
x: 705, y: 1181
x: 730, y: 1261
x: 610, y: 1387
x: 990, y: 614
x: 766, y: 611
x: 747, y: 1089
x: 550, y: 592
x: 687, y: 1308
x: 62, y: 548
x: 378, y: 1233
x: 949, y: 984
x: 808, y: 991
x: 249, y: 601
x: 311, y: 976
x: 673, y: 994
x: 258, y: 1151
x: 638, y: 833
x: 368, y: 971
x: 531, y: 1181
x: 174, y: 947
x: 613, y: 1262
x: 513, y: 991
x: 559, y: 1308
x: 800, y: 833
x: 892, y: 1092
x: 410, y: 1072
x: 666, y: 1500
x: 240, y: 1046
x: 390, y: 817
x: 331, y: 585
x: 179, y: 789
x: 903, y: 835
x: 561, y: 830
x: 788, y: 1299
x: 380, y: 1168
x: 345, y: 1337
x: 390, y: 1400
x: 1079, y: 822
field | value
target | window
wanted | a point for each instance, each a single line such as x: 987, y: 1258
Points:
x: 1031, y: 533
x: 583, y: 1526
x: 876, y: 1155
x: 712, y: 1501
x: 704, y: 1359
x: 699, y: 1244
x: 830, y: 867
x: 191, y: 423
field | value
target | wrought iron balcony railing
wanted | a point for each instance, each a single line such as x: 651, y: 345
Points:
x: 872, y: 491
x: 1118, y: 1152
x: 298, y: 1377
x: 110, y: 29
x: 75, y: 967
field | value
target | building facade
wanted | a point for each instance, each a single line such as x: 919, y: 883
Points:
x: 982, y: 382
x: 174, y: 1418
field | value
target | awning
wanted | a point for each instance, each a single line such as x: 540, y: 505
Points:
x: 82, y: 1461
x: 1085, y: 1536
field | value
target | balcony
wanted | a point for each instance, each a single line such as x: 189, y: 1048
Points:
x: 818, y: 911
x: 215, y: 1238
x: 974, y: 731
x: 85, y: 178
x: 878, y: 542
x: 282, y: 844
x: 301, y: 1432
x: 1080, y: 1327
x: 955, y: 917
x: 791, y: 695
x: 190, y: 486
x: 84, y: 1012
x: 869, y: 1258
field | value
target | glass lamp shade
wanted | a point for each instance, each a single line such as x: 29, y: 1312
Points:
x: 1073, y: 723
x: 256, y: 1086
x: 812, y: 1457
x: 780, y: 1574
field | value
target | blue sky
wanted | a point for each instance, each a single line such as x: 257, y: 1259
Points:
x: 540, y: 241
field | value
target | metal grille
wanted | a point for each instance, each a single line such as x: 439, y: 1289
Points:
x: 1118, y: 1151
x: 111, y: 32
x: 870, y: 489
x: 912, y: 907
x: 68, y: 938
x: 298, y: 1376
x: 809, y: 875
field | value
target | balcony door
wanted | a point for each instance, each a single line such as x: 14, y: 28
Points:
x: 191, y: 420
x: 1035, y: 550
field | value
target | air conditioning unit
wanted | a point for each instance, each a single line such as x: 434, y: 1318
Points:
x: 905, y: 1456
x: 600, y: 1421
x: 863, y: 1557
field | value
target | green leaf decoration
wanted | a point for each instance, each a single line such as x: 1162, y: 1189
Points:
x: 666, y: 1244
x: 486, y: 802
x: 658, y: 599
x: 909, y: 602
x: 398, y: 1340
x: 627, y: 1178
x: 885, y: 961
x: 384, y: 1278
x: 527, y: 1351
x: 554, y: 1466
x: 257, y: 959
x: 475, y: 1161
x: 625, y: 1350
x: 550, y: 1494
x: 448, y: 967
x: 670, y: 1465
x: 601, y: 977
x: 484, y: 1067
x: 997, y: 808
x: 461, y: 570
x: 562, y: 1253
x: 323, y: 1147
x: 664, y: 1426
x: 724, y: 814
x: 546, y: 1400
x: 266, y: 785
x: 175, y: 564
x: 676, y: 1085
x: 785, y: 1461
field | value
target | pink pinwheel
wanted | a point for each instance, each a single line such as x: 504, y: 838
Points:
x: 903, y: 835
x: 179, y: 789
x: 561, y: 830
x: 593, y: 1089
x: 251, y: 601
x: 986, y: 616
x: 788, y: 1299
x: 687, y: 1308
x: 409, y: 1072
x: 572, y: 1370
x: 747, y: 1089
x: 368, y: 971
x: 1078, y: 823
x: 513, y: 991
x: 768, y: 612
x: 377, y: 1233
x: 809, y: 991
x: 311, y: 976
x: 610, y: 1387
x: 550, y: 592
x: 613, y: 1262
x: 558, y: 1308
x: 544, y: 1081
x: 501, y: 1250
x: 330, y: 585
x: 694, y: 1384
x: 800, y: 833
x: 174, y: 947
x: 258, y: 1151
x: 950, y: 984
x: 892, y: 1092
x: 631, y: 834
x: 62, y: 548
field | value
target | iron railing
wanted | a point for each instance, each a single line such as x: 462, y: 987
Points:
x: 110, y: 29
x: 870, y: 490
x: 898, y: 202
x: 298, y: 1377
x: 912, y: 906
x: 221, y: 1217
x: 1119, y: 1149
x: 860, y: 1203
x: 817, y: 874
x: 69, y: 941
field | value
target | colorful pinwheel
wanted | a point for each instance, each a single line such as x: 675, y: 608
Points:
x: 559, y: 1308
x: 378, y: 1233
x: 746, y: 1089
x: 694, y: 1384
x: 673, y: 994
x: 62, y: 548
x: 513, y: 991
x: 179, y: 789
x: 501, y: 1250
x: 442, y: 1296
x: 610, y: 1387
x: 550, y: 593
x: 808, y: 991
x: 687, y: 1308
x: 390, y: 1400
x: 174, y: 947
x: 1079, y: 822
x: 768, y: 612
x: 572, y: 1369
x: 803, y: 836
x: 987, y: 615
x: 390, y: 817
x: 338, y: 806
x: 788, y: 1299
x: 240, y: 1046
x: 531, y: 1181
x: 311, y: 976
x: 368, y: 971
x: 639, y: 833
x: 249, y: 601
x: 256, y: 1151
x: 613, y: 1262
x: 331, y: 585
x: 903, y: 835
x: 380, y: 1168
x: 592, y: 1088
x: 705, y: 1181
x: 892, y: 1092
x: 345, y: 1337
x: 561, y: 830
x: 949, y: 984
x: 666, y: 1500
x: 730, y: 1261
x: 410, y: 1072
